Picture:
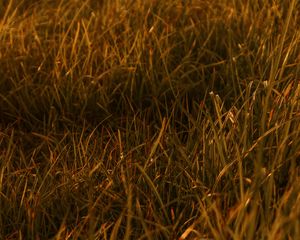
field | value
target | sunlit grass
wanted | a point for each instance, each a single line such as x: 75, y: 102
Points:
x: 149, y: 119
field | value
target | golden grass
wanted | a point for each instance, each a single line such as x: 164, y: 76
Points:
x: 149, y: 119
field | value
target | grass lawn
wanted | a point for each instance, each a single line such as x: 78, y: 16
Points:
x: 148, y: 119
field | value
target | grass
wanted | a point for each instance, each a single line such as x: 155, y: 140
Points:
x: 149, y: 119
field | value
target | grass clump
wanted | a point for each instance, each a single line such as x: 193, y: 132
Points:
x: 149, y: 119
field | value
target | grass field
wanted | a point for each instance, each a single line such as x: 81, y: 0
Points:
x: 148, y: 119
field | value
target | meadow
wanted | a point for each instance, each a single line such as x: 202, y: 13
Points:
x: 148, y: 119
